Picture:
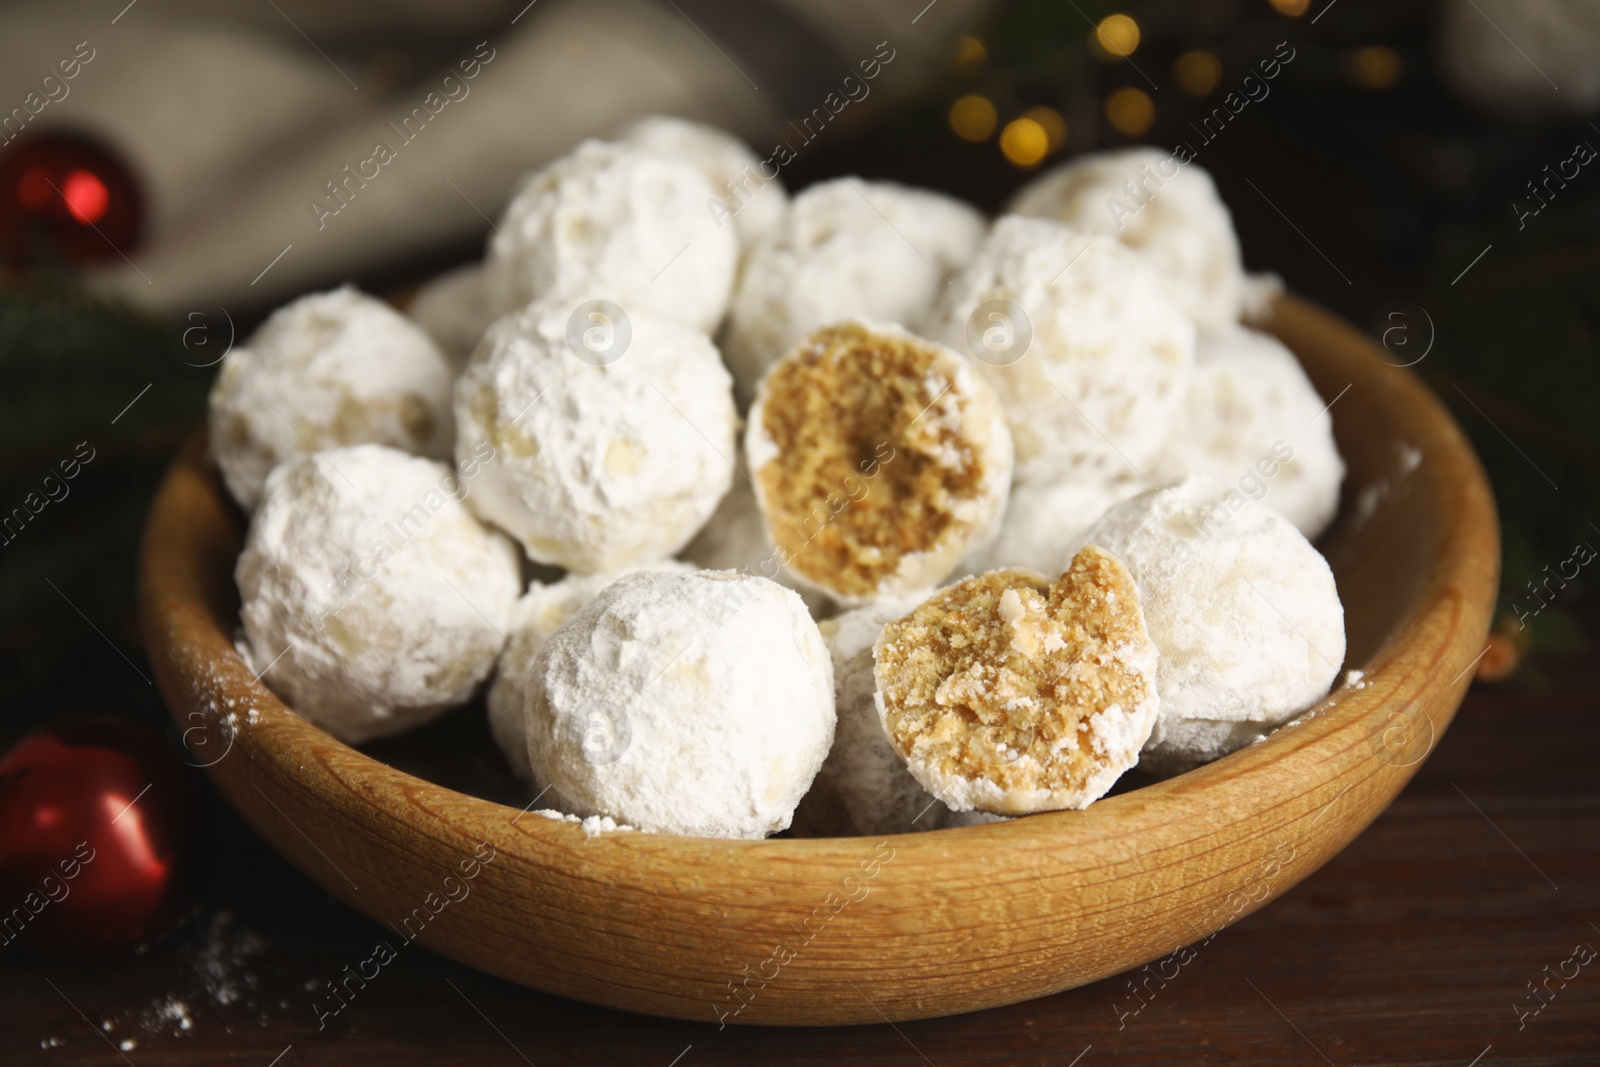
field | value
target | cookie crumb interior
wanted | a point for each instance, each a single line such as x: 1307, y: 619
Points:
x: 871, y: 464
x: 1004, y: 677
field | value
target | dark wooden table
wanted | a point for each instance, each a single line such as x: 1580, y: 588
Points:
x: 1439, y: 937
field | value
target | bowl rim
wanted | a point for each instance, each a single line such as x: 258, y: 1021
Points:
x: 285, y: 774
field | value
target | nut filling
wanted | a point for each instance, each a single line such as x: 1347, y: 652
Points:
x: 1010, y: 693
x: 878, y: 455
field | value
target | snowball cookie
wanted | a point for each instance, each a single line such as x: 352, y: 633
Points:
x: 371, y: 598
x: 1011, y: 693
x: 698, y: 704
x: 619, y: 223
x: 595, y: 462
x: 1108, y: 352
x: 863, y: 787
x: 330, y: 369
x: 754, y: 202
x: 1159, y: 206
x: 456, y: 310
x: 735, y: 539
x: 848, y: 249
x: 879, y: 460
x: 1243, y: 609
x: 1041, y: 519
x: 540, y: 613
x: 1252, y: 419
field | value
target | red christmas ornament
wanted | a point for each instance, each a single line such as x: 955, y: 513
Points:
x: 99, y: 834
x: 69, y: 194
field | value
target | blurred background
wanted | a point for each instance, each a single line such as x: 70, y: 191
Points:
x: 1427, y: 168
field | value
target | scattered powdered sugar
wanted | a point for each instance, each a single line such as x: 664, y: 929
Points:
x: 222, y: 952
x: 1410, y: 456
x: 591, y: 825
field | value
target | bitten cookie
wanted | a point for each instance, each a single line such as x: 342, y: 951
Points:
x: 879, y: 460
x: 1012, y: 694
x: 1244, y: 611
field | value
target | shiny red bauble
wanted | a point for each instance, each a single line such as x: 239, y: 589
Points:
x: 100, y: 832
x: 68, y: 196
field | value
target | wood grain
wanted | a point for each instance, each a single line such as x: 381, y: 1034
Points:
x: 942, y: 922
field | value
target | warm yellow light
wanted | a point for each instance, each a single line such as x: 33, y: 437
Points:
x: 1374, y: 67
x: 1130, y: 110
x: 1118, y: 35
x: 1198, y: 73
x: 970, y: 56
x: 1050, y: 120
x: 1024, y: 142
x: 973, y: 118
x: 1293, y: 8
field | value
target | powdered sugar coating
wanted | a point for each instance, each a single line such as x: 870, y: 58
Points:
x: 1110, y: 350
x: 1253, y: 419
x: 540, y: 612
x: 1243, y: 610
x: 697, y: 704
x: 327, y: 370
x: 754, y: 203
x: 371, y: 598
x: 848, y: 249
x: 616, y: 222
x: 1166, y: 210
x: 596, y: 467
x: 1042, y: 519
x: 864, y: 787
x: 456, y: 309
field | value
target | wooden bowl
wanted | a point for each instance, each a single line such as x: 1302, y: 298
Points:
x: 856, y: 930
